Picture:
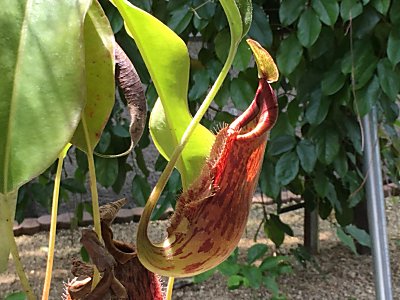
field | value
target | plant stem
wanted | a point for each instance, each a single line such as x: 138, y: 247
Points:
x: 93, y: 191
x: 14, y: 251
x: 53, y: 224
x: 170, y: 287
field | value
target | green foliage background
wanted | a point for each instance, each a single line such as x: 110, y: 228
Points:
x: 337, y: 60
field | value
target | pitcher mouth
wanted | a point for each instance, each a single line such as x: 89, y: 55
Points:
x: 263, y: 112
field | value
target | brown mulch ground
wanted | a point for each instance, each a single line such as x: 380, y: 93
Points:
x: 340, y: 273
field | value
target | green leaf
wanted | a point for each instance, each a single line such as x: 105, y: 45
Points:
x: 167, y: 60
x: 242, y: 58
x: 275, y: 230
x: 282, y: 226
x: 121, y: 131
x: 324, y: 43
x: 305, y: 150
x: 228, y: 268
x: 318, y: 108
x: 222, y: 42
x: 333, y: 199
x: 340, y: 164
x: 393, y: 47
x: 234, y: 16
x: 362, y: 61
x: 287, y: 168
x: 113, y: 16
x: 260, y: 29
x: 268, y: 183
x: 204, y: 276
x: 360, y: 235
x: 353, y: 132
x: 365, y: 23
x: 256, y: 252
x: 321, y: 185
x: 389, y: 80
x: 328, y: 145
x: 272, y: 262
x: 289, y: 54
x: 253, y: 276
x: 234, y: 282
x: 346, y: 239
x: 282, y: 126
x: 350, y: 9
x: 333, y: 80
x: 308, y: 28
x: 16, y: 296
x: 290, y: 10
x: 327, y: 10
x: 246, y: 12
x: 281, y: 144
x: 367, y: 97
x: 271, y: 284
x: 382, y: 6
x: 180, y: 19
x: 99, y: 71
x: 201, y: 82
x: 242, y: 93
x: 84, y: 254
x: 43, y: 85
x: 393, y: 13
x: 140, y: 190
x: 106, y: 170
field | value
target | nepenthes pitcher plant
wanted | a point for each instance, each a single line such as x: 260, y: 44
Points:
x: 209, y: 219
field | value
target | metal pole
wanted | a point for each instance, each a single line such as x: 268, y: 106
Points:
x: 376, y: 208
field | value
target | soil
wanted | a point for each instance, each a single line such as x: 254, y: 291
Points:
x: 337, y: 274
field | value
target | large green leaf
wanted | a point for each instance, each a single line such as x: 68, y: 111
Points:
x: 167, y: 60
x: 42, y: 87
x: 99, y: 70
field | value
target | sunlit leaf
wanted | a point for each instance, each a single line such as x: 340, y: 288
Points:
x: 167, y: 59
x: 99, y: 71
x: 42, y: 87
